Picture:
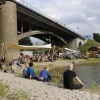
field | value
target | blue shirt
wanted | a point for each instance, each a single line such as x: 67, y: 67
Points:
x: 30, y: 71
x: 45, y: 74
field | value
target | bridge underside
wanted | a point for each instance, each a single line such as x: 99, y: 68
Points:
x: 50, y: 39
x: 29, y: 20
x: 45, y: 36
x: 26, y: 25
x: 18, y: 20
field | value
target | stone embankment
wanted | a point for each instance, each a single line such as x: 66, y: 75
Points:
x: 43, y: 91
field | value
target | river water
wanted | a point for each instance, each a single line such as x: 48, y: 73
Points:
x: 89, y: 74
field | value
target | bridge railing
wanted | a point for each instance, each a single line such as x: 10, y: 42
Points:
x: 43, y: 14
x: 33, y: 8
x: 37, y: 10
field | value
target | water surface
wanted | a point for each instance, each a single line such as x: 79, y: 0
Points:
x: 90, y: 74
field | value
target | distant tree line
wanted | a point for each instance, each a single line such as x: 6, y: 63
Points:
x: 25, y: 41
x: 96, y: 37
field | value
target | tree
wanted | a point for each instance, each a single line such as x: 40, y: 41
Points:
x: 25, y: 41
x: 88, y: 44
x: 96, y: 37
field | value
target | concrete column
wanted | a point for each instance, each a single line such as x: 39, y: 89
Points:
x: 22, y: 27
x: 8, y: 26
x: 73, y: 44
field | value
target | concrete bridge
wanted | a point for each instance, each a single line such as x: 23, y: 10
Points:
x: 19, y: 20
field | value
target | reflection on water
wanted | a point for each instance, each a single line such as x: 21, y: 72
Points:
x: 90, y: 74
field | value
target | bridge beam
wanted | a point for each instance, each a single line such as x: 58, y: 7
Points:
x: 31, y: 33
x: 75, y: 43
x: 8, y: 25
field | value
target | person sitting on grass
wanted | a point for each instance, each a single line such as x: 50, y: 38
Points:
x: 30, y: 72
x: 45, y: 75
x: 24, y: 69
x: 68, y: 79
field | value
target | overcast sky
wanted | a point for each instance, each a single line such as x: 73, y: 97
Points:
x: 83, y: 16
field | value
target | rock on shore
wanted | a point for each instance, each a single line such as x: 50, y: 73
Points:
x: 43, y: 91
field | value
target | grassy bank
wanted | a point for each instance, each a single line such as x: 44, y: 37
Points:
x: 57, y: 68
x: 5, y: 95
x: 38, y: 66
x: 88, y: 61
x: 3, y: 89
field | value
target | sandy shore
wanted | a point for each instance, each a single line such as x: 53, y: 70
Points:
x: 43, y: 91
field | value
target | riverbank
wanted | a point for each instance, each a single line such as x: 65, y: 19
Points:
x: 57, y: 68
x: 42, y: 91
x: 38, y: 66
x: 89, y: 61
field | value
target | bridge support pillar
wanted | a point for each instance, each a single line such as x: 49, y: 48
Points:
x: 74, y: 43
x: 8, y: 27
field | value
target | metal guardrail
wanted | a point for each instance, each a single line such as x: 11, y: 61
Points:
x: 38, y: 11
x: 43, y: 14
x: 34, y: 9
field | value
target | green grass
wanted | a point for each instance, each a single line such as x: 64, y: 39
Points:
x: 3, y: 89
x: 89, y: 61
x: 18, y: 96
x: 88, y: 44
x: 93, y: 89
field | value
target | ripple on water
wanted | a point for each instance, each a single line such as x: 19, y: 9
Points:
x: 90, y: 74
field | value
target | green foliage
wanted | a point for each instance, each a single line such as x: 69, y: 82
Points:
x: 96, y: 37
x: 3, y: 89
x: 18, y: 96
x: 25, y: 41
x: 57, y: 76
x: 88, y: 44
x: 93, y: 89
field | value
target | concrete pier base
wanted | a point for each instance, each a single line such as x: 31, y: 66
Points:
x: 8, y: 27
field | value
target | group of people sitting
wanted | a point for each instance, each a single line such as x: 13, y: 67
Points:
x: 45, y: 76
x: 28, y: 72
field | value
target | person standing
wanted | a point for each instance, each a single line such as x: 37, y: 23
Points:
x: 68, y: 79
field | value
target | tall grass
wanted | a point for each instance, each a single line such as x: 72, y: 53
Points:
x: 57, y: 70
x: 93, y: 89
x: 57, y: 79
x: 3, y: 89
x: 4, y: 93
x: 21, y: 95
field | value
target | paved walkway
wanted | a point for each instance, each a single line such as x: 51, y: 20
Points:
x: 43, y: 91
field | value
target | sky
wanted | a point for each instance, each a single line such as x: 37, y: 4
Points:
x: 82, y: 16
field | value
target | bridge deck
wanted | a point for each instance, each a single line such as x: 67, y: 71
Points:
x: 46, y: 17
